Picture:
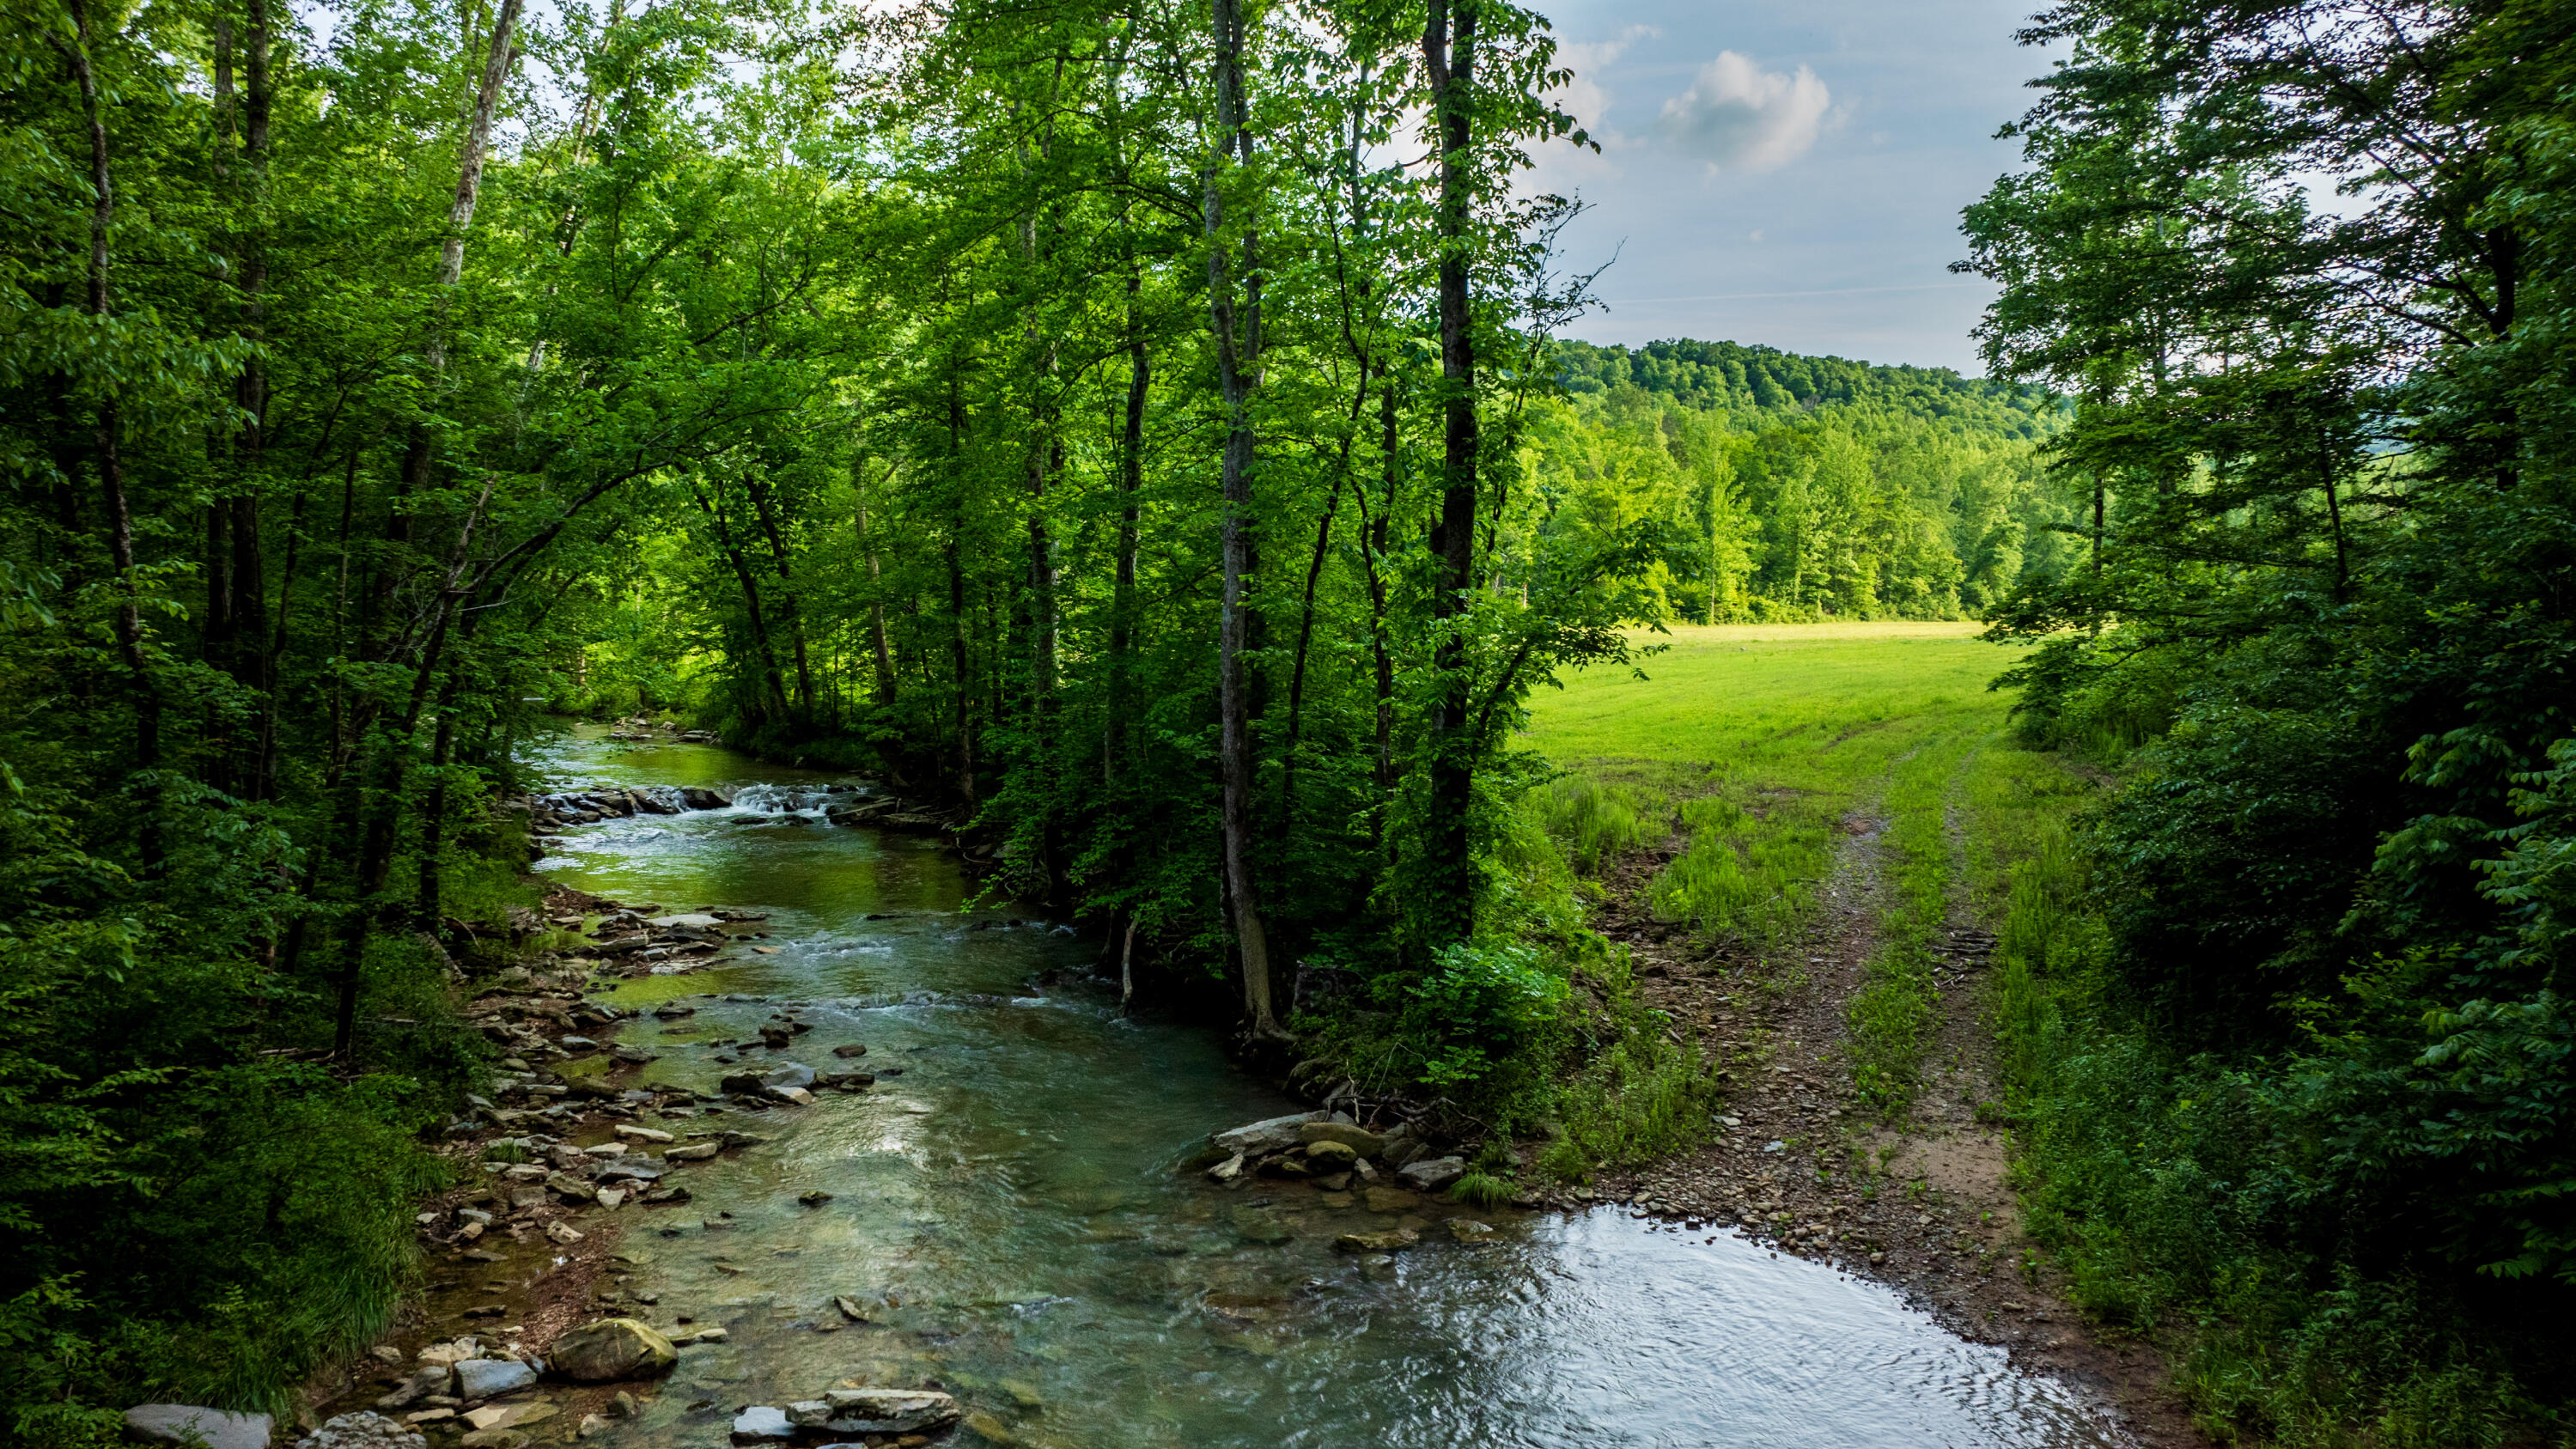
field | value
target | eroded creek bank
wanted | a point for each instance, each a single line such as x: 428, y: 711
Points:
x: 1005, y: 1198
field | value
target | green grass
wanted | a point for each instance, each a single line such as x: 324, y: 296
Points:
x: 1755, y: 744
x: 1748, y: 748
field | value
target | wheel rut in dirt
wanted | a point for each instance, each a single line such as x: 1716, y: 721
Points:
x: 1804, y: 1163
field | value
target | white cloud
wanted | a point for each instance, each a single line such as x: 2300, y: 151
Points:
x: 1583, y: 97
x: 1737, y: 117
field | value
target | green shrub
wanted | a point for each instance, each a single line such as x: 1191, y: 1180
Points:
x: 1479, y: 1004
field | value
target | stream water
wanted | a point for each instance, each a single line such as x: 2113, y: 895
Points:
x: 1009, y: 1213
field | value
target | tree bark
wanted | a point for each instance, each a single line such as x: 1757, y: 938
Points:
x: 110, y: 457
x: 884, y: 661
x: 732, y: 550
x: 1131, y: 483
x: 788, y: 613
x: 249, y: 591
x: 1306, y: 611
x: 1448, y: 51
x: 1238, y: 350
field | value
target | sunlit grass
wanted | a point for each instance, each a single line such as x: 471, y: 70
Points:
x: 1755, y: 751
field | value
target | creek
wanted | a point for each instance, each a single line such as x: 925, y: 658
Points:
x: 1009, y: 1210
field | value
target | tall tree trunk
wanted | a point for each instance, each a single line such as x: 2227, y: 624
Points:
x: 959, y: 656
x: 788, y: 613
x: 248, y: 592
x: 264, y: 774
x: 106, y: 439
x: 451, y: 253
x: 1391, y: 476
x: 885, y: 679
x: 775, y: 685
x: 428, y: 902
x: 1448, y: 52
x: 1238, y: 351
x: 376, y: 850
x: 1306, y: 611
x: 1131, y: 483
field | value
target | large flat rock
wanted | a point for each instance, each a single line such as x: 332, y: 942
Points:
x: 187, y: 1423
x: 1275, y: 1135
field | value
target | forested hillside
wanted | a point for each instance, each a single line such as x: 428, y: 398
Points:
x: 1789, y: 487
x: 1751, y: 381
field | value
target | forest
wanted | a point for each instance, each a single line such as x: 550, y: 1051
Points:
x: 2290, y: 1009
x: 1139, y: 429
x: 1146, y: 429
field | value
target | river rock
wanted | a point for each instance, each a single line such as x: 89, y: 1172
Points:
x: 1387, y: 1242
x: 850, y: 1049
x: 1432, y: 1174
x: 889, y: 1411
x: 186, y: 1423
x: 1467, y: 1231
x: 694, y: 1152
x: 692, y: 922
x: 364, y: 1430
x: 1390, y: 1200
x: 481, y: 1378
x: 1275, y: 1134
x: 762, y: 1423
x: 612, y: 1348
x: 429, y: 1380
x: 563, y: 1185
x: 447, y: 1355
x: 1228, y: 1170
x: 809, y: 1413
x: 1256, y: 1225
x: 1362, y: 1142
x: 1329, y: 1155
x: 512, y: 1416
x: 769, y: 1081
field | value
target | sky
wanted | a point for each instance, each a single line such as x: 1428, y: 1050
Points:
x: 1787, y: 173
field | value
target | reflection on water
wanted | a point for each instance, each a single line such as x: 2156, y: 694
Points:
x: 1006, y: 1216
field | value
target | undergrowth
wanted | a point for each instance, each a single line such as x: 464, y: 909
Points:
x: 2166, y: 1187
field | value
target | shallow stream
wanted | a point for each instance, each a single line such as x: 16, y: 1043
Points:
x: 1007, y: 1211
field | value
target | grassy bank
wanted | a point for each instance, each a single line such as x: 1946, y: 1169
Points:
x: 2156, y: 1182
x: 1755, y: 749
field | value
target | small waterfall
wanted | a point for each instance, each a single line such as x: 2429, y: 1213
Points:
x: 788, y: 799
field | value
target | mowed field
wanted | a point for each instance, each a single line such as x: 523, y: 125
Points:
x: 1730, y: 694
x: 1750, y: 753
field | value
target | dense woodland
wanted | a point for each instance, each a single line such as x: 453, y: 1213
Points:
x: 2296, y: 1039
x: 1138, y: 428
x: 1142, y: 427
